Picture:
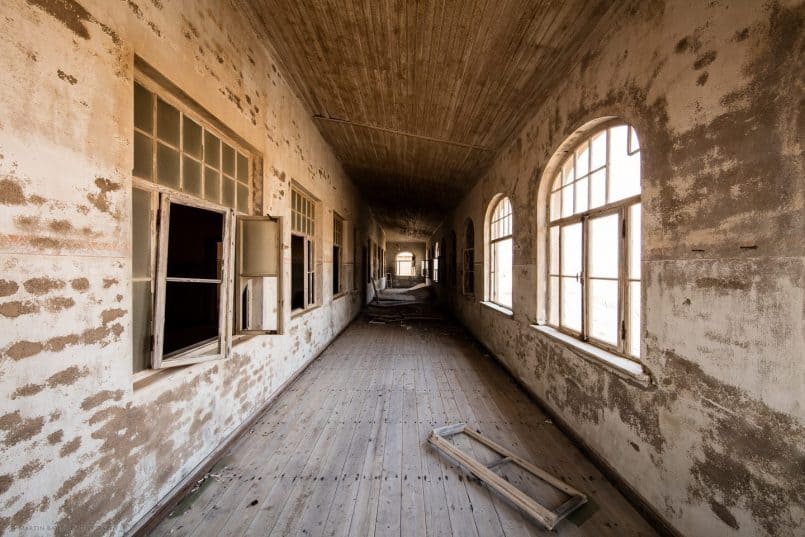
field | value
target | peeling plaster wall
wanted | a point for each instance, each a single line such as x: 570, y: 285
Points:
x: 715, y: 91
x: 82, y: 451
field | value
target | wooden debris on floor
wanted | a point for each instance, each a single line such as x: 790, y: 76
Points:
x: 545, y: 515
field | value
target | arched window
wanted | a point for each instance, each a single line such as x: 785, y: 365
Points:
x: 436, y: 255
x: 594, y: 241
x: 500, y: 253
x: 469, y: 259
x: 405, y: 264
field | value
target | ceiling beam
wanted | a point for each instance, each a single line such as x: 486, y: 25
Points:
x: 318, y: 117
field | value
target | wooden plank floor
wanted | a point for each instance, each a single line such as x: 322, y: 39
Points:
x: 343, y: 451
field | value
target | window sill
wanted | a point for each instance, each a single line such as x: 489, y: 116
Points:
x: 299, y: 313
x: 623, y: 367
x: 336, y: 296
x: 498, y: 308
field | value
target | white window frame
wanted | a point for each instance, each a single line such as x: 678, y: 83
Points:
x: 621, y: 208
x: 308, y: 233
x: 240, y: 275
x: 494, y: 292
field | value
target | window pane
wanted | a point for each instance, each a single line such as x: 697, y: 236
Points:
x: 583, y: 160
x: 212, y: 149
x: 191, y: 176
x: 604, y: 310
x: 243, y: 168
x: 191, y: 314
x: 167, y: 123
x: 603, y: 246
x: 143, y: 156
x: 140, y: 233
x: 634, y: 241
x: 581, y: 195
x: 141, y: 325
x: 624, y: 173
x: 553, y: 298
x: 599, y: 150
x: 167, y: 166
x: 554, y: 251
x: 571, y: 250
x: 195, y: 239
x: 598, y: 188
x: 228, y: 160
x: 503, y: 272
x: 556, y: 205
x: 143, y: 109
x: 228, y: 193
x: 567, y: 172
x: 571, y: 303
x: 297, y: 272
x: 567, y: 200
x: 260, y: 247
x: 634, y: 319
x: 192, y: 138
x: 212, y: 184
x: 243, y: 198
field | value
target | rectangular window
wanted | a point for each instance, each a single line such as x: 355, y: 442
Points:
x: 338, y: 234
x: 189, y: 182
x: 303, y: 253
x: 258, y: 274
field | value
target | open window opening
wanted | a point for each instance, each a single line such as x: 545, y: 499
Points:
x: 405, y: 264
x: 500, y: 253
x: 338, y: 238
x: 258, y: 275
x: 436, y: 256
x: 303, y: 252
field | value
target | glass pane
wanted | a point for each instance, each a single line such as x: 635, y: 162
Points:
x: 599, y: 150
x: 192, y: 138
x: 603, y: 246
x: 212, y: 150
x: 567, y: 200
x: 634, y: 319
x: 556, y: 205
x: 604, y: 310
x: 571, y: 250
x: 567, y: 172
x: 191, y: 176
x: 583, y: 160
x: 243, y: 198
x: 503, y: 272
x: 167, y: 166
x: 143, y: 156
x: 624, y: 173
x: 140, y: 233
x: 634, y: 241
x: 141, y: 325
x: 228, y: 160
x: 212, y: 184
x: 243, y: 168
x: 191, y: 314
x: 581, y: 195
x: 571, y: 303
x: 554, y: 251
x: 553, y: 298
x: 260, y: 247
x: 143, y: 109
x: 598, y: 188
x: 228, y: 193
x: 167, y: 123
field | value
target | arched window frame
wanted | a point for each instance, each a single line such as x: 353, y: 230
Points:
x: 625, y: 210
x: 468, y: 281
x: 498, y: 228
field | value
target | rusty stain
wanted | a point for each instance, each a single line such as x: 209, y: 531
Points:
x: 8, y: 288
x: 100, y: 397
x: 59, y: 303
x: 80, y: 284
x: 67, y: 376
x: 70, y: 447
x: 109, y: 315
x: 41, y: 286
x: 17, y: 307
x: 18, y: 428
x: 24, y: 349
x: 5, y: 483
x: 30, y: 469
x: 11, y: 193
x: 55, y: 437
x: 27, y: 390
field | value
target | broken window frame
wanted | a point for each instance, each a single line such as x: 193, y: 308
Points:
x: 624, y: 209
x: 240, y: 276
x: 203, y: 351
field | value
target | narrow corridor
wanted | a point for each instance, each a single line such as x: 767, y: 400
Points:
x: 344, y: 451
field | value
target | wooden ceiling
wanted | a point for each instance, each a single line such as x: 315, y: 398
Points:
x: 416, y: 97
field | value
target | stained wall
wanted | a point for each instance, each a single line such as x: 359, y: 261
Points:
x: 716, y: 444
x: 81, y: 450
